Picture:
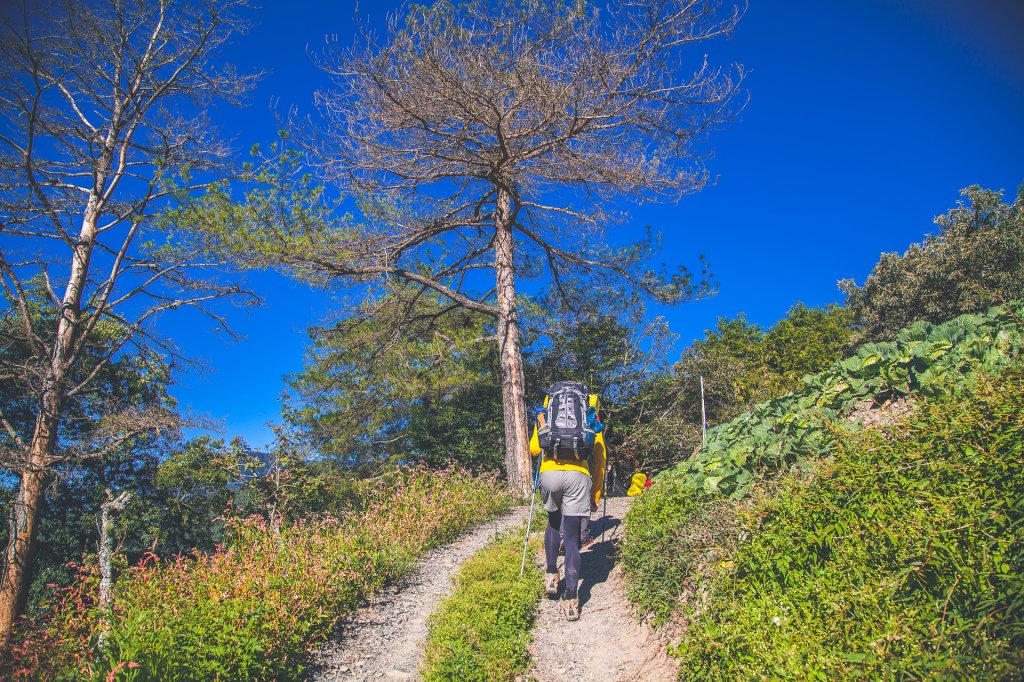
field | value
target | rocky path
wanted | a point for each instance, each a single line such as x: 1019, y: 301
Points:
x: 607, y: 643
x: 384, y: 640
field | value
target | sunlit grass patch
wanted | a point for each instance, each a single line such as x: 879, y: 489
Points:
x: 902, y: 559
x: 480, y: 633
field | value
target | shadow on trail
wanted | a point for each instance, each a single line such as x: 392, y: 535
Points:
x: 598, y: 561
x: 599, y: 557
x: 603, y: 525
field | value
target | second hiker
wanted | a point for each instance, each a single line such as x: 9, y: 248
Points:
x: 570, y: 435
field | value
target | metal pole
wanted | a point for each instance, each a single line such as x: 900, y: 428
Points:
x: 703, y: 416
x: 604, y: 495
x: 533, y: 499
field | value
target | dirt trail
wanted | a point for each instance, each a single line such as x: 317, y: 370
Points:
x: 607, y: 643
x: 384, y: 640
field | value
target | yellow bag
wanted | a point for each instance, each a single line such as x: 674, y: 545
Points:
x: 637, y: 484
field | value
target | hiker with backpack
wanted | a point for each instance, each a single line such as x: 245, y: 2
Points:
x: 569, y: 437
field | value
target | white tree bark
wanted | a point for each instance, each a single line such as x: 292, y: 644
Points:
x: 102, y: 106
x: 109, y: 509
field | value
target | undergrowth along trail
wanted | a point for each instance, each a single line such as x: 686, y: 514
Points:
x: 902, y: 558
x: 480, y: 632
x: 665, y: 545
x: 384, y: 640
x: 253, y: 609
x: 799, y: 546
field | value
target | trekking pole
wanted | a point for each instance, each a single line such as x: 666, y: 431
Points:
x: 533, y: 499
x: 604, y: 496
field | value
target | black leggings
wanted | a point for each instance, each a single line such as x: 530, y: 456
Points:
x: 564, y: 529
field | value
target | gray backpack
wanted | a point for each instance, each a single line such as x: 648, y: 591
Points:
x: 565, y: 433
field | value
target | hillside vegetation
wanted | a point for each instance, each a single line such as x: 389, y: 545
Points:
x: 253, y: 608
x: 238, y: 560
x: 706, y: 525
x: 901, y: 559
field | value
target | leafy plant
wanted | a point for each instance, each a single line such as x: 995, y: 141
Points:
x: 901, y: 559
x: 661, y: 551
x: 922, y: 359
x: 740, y: 364
x: 480, y: 632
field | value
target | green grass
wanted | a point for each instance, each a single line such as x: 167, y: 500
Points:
x: 901, y: 559
x: 481, y: 631
x: 657, y: 552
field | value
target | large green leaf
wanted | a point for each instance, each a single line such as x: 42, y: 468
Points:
x: 923, y: 358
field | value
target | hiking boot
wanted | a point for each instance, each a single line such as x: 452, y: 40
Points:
x: 571, y: 608
x: 586, y: 539
x: 551, y: 584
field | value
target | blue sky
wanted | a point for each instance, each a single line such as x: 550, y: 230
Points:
x: 866, y: 118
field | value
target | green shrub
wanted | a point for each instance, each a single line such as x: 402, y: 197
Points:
x: 480, y: 632
x: 653, y: 554
x: 903, y: 558
x: 252, y: 609
x: 682, y: 523
x: 975, y: 260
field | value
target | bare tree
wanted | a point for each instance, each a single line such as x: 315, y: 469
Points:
x: 501, y: 129
x: 484, y: 142
x: 104, y: 130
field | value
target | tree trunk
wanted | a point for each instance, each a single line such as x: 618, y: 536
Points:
x: 513, y: 390
x: 24, y: 522
x: 108, y: 510
x: 21, y: 543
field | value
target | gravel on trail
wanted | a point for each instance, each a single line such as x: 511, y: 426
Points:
x: 607, y: 643
x: 384, y: 640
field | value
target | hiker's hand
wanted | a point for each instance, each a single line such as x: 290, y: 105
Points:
x: 593, y: 507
